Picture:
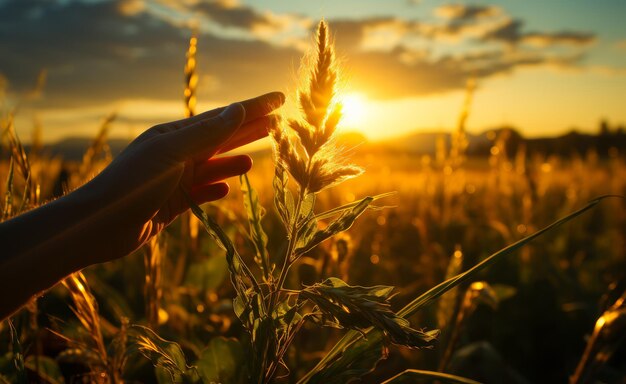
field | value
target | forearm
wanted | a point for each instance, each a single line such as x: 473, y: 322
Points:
x: 42, y: 246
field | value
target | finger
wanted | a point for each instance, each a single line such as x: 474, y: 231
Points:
x: 204, y: 138
x: 250, y: 132
x: 255, y: 107
x: 221, y: 168
x: 206, y: 193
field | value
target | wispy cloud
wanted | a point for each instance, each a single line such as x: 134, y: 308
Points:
x: 466, y: 13
x: 97, y: 52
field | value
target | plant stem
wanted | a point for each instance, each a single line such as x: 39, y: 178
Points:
x: 286, y: 264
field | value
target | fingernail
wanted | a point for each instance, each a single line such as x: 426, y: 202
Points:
x: 233, y: 113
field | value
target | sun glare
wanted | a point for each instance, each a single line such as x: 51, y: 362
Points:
x: 354, y: 111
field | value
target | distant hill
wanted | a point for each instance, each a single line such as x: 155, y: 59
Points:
x: 420, y: 143
x: 480, y: 144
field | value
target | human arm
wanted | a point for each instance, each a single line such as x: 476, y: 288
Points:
x: 131, y: 200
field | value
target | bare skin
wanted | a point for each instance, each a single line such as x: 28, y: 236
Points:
x: 135, y: 197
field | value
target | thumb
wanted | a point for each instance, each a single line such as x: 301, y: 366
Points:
x: 205, y: 137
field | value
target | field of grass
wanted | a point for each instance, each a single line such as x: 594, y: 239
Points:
x: 525, y: 319
x: 554, y: 289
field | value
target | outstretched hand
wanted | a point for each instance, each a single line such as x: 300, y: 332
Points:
x: 135, y: 197
x: 144, y: 187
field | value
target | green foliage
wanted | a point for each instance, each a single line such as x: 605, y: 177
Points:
x: 283, y: 198
x: 447, y: 304
x: 255, y: 213
x: 349, y: 339
x: 222, y: 361
x: 358, y: 308
x: 359, y: 360
x: 165, y: 355
x: 340, y: 224
x: 207, y: 274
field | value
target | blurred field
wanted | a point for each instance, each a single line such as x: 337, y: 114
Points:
x: 554, y: 290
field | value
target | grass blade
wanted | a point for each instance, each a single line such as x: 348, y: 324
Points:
x: 236, y: 264
x: 255, y: 213
x: 410, y: 375
x: 345, y: 207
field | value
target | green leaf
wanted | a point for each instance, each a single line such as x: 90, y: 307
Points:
x: 264, y: 343
x: 306, y: 233
x: 249, y: 308
x: 410, y: 375
x: 446, y: 307
x: 345, y: 207
x: 222, y: 361
x: 163, y: 376
x: 207, y: 274
x: 360, y: 360
x: 255, y: 213
x: 163, y: 354
x: 340, y: 224
x: 350, y: 337
x: 283, y: 199
x: 286, y: 315
x: 306, y: 207
x: 356, y: 307
x: 238, y: 268
x: 46, y: 367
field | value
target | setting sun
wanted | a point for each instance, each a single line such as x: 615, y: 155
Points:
x: 354, y: 111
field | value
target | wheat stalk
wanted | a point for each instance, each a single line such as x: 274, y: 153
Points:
x: 191, y: 78
x: 309, y: 155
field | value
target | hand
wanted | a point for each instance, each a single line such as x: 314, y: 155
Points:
x: 144, y: 188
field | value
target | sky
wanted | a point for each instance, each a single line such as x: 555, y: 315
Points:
x: 544, y: 67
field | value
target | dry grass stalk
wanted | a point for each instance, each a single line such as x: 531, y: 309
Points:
x: 99, y: 147
x: 20, y: 160
x: 459, y: 138
x: 105, y: 364
x: 86, y: 310
x: 152, y: 288
x: 191, y: 78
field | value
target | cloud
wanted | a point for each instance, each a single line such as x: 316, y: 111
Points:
x: 465, y: 13
x: 99, y: 52
x: 376, y: 33
x: 491, y: 23
x: 96, y: 53
x: 388, y: 75
x: 558, y: 38
x: 508, y: 31
x: 232, y: 14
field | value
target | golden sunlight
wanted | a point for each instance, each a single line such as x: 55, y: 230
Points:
x: 354, y: 111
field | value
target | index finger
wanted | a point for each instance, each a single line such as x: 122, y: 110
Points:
x: 255, y: 107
